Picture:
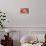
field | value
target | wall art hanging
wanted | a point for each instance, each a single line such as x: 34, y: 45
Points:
x: 24, y: 10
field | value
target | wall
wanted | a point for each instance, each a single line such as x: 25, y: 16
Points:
x: 36, y: 17
x: 35, y: 21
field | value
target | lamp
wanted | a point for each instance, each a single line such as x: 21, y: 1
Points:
x: 7, y: 31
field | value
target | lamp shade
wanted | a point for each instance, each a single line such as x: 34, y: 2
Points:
x: 7, y: 30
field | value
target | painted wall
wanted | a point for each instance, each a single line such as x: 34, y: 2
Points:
x: 36, y: 17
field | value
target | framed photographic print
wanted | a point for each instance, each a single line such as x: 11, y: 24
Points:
x: 24, y: 10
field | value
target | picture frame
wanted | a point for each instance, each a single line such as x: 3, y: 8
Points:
x: 24, y: 10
